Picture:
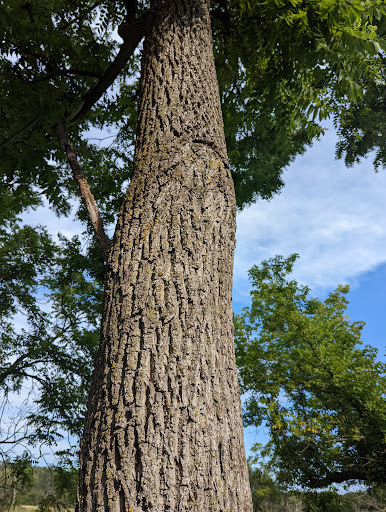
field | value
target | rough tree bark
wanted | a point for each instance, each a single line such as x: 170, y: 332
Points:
x: 163, y: 429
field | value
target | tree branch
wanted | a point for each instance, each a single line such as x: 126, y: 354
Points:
x: 65, y: 72
x: 131, y: 10
x: 85, y: 192
x: 338, y: 477
x: 14, y: 368
x: 131, y: 33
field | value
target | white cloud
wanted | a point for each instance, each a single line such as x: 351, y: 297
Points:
x: 45, y: 217
x: 332, y: 216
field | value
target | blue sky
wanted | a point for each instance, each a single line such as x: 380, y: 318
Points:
x: 333, y: 217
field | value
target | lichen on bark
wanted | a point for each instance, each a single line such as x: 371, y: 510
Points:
x: 163, y: 428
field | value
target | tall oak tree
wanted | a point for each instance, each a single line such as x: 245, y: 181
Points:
x: 163, y: 426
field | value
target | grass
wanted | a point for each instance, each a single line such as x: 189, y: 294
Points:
x: 31, y: 508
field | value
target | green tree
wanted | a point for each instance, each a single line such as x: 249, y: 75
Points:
x: 63, y: 492
x: 321, y: 394
x: 164, y: 406
x: 326, y: 500
x: 55, y: 348
x: 16, y: 477
x: 24, y: 483
x: 360, y: 501
x: 267, y: 495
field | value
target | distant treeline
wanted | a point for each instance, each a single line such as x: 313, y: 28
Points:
x: 54, y: 489
x: 269, y: 496
x: 50, y: 488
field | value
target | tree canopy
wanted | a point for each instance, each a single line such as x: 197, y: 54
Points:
x: 50, y: 299
x: 308, y: 377
x: 281, y: 66
x: 361, y: 124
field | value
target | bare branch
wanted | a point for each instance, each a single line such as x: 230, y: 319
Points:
x: 85, y: 192
x: 131, y: 33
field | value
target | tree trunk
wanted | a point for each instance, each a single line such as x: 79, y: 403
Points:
x: 14, y: 493
x: 163, y: 429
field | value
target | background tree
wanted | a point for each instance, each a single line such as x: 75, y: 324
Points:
x: 321, y: 394
x: 62, y: 494
x: 54, y: 349
x: 22, y: 483
x: 268, y: 495
x: 16, y: 477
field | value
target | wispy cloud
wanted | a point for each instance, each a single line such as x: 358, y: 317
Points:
x: 44, y: 216
x: 332, y: 216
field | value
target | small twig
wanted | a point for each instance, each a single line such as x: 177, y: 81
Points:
x: 85, y: 192
x: 65, y: 72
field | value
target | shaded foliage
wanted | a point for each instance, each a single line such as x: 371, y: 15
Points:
x: 362, y: 125
x: 56, y: 292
